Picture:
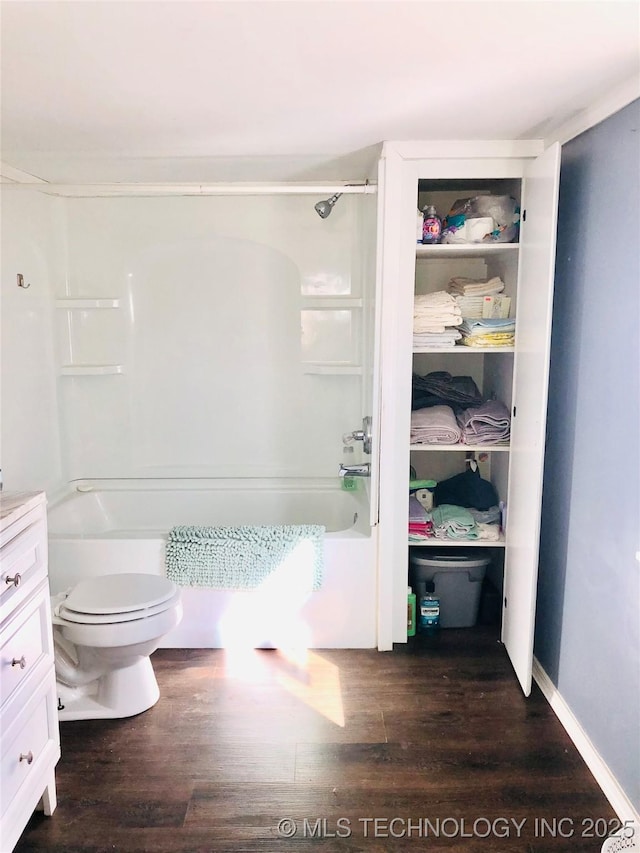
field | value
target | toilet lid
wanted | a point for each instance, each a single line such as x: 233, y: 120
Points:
x: 112, y: 618
x: 120, y: 594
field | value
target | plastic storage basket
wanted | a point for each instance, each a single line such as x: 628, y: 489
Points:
x: 457, y: 580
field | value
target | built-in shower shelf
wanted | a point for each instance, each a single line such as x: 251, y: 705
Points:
x: 333, y: 369
x: 91, y: 369
x: 331, y: 303
x: 76, y: 302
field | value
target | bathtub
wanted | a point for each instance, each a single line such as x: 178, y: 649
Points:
x: 105, y: 526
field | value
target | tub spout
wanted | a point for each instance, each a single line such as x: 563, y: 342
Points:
x: 363, y: 470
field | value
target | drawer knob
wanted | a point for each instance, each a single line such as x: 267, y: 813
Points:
x: 15, y: 580
x: 19, y: 662
x: 28, y: 757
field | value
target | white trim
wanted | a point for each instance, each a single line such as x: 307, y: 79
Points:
x: 473, y: 169
x: 615, y: 100
x: 210, y: 189
x: 398, y: 272
x: 456, y: 149
x: 610, y: 786
x: 395, y: 368
x: 17, y: 175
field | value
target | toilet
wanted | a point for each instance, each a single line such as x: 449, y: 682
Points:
x: 104, y: 630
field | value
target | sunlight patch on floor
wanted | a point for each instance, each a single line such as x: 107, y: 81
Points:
x: 269, y: 617
x: 320, y: 689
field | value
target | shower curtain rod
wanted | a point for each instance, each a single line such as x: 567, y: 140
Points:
x: 210, y: 189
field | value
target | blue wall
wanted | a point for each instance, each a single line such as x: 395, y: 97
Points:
x: 588, y: 617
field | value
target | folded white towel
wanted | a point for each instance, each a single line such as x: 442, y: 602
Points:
x: 434, y: 312
x: 490, y: 532
x: 438, y: 297
x: 475, y: 287
x: 429, y: 330
x: 429, y: 324
x: 442, y: 338
x: 471, y: 306
x: 434, y: 425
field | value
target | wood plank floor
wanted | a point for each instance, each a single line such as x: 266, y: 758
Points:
x: 429, y: 747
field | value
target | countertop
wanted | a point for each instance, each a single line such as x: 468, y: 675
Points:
x: 13, y: 505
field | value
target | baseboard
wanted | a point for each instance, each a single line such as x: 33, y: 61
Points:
x: 610, y: 786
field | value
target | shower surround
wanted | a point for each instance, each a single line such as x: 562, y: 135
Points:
x: 202, y: 359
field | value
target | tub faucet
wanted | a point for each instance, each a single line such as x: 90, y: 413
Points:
x: 363, y: 470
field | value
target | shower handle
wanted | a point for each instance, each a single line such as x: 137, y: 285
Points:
x: 363, y: 435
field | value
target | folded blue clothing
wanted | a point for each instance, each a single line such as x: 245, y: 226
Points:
x: 482, y: 325
x: 440, y: 388
x: 242, y: 557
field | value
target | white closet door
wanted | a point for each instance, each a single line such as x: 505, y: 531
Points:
x: 533, y: 335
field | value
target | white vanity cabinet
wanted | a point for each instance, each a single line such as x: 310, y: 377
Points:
x: 29, y: 734
x: 411, y: 175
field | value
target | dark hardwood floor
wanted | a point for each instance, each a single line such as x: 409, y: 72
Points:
x: 430, y: 747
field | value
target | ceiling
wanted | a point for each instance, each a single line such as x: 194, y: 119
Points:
x: 302, y: 90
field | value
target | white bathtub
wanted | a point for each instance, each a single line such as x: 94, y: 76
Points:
x: 107, y: 526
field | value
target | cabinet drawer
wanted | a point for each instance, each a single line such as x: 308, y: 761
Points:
x: 30, y: 743
x: 23, y: 559
x: 25, y: 642
x: 11, y: 531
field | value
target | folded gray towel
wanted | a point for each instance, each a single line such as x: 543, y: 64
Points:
x: 435, y: 425
x: 489, y: 423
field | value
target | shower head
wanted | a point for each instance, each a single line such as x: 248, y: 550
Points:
x: 324, y: 208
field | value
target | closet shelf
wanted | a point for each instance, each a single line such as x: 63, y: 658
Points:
x: 464, y: 250
x: 459, y: 543
x: 477, y: 448
x: 462, y: 348
x: 91, y: 369
x: 75, y: 302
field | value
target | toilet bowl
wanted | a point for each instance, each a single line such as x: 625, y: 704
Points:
x: 104, y: 630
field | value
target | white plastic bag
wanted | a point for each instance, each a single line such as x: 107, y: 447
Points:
x: 482, y: 219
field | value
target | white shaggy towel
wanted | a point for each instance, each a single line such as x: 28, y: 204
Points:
x: 242, y: 557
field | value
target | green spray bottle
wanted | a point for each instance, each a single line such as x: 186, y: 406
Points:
x: 411, y: 613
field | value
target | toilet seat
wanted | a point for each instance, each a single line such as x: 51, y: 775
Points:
x: 68, y: 615
x: 110, y: 599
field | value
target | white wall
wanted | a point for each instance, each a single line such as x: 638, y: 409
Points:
x: 29, y: 435
x: 220, y: 314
